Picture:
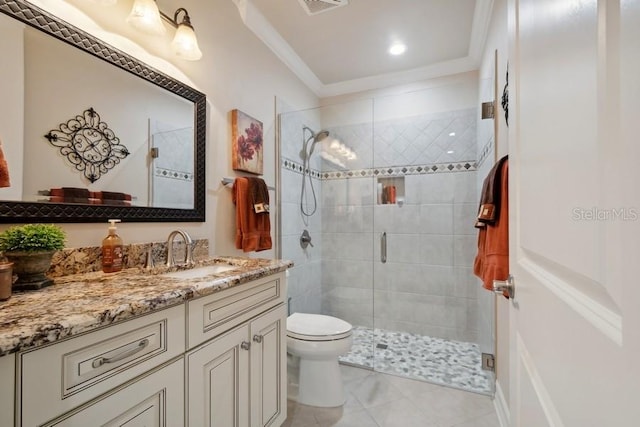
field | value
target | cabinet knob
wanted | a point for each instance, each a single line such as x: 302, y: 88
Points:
x: 257, y: 338
x: 245, y: 345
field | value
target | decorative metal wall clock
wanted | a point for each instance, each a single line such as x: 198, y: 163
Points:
x: 505, y: 97
x: 89, y: 145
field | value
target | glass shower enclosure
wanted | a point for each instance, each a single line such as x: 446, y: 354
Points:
x: 392, y: 189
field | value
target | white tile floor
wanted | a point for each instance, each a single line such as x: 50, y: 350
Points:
x: 381, y: 400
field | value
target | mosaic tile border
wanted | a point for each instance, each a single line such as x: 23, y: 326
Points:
x: 174, y: 174
x: 486, y: 151
x: 298, y: 168
x: 466, y: 166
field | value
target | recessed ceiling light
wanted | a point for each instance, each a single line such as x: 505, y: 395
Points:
x: 450, y: 152
x: 452, y: 134
x: 397, y: 49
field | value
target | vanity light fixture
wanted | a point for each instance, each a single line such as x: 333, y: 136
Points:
x: 146, y: 17
x: 185, y: 43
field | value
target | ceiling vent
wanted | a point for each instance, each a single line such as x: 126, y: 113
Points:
x: 313, y: 7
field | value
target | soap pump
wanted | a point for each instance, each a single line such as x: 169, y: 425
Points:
x: 112, y: 250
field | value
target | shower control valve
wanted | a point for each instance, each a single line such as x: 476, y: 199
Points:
x: 305, y: 239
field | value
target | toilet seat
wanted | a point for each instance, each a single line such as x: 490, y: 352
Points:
x: 317, y: 327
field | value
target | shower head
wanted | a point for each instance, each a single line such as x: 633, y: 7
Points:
x: 317, y: 137
x: 320, y: 135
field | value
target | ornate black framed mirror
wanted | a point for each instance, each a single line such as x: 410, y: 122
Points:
x: 36, y: 208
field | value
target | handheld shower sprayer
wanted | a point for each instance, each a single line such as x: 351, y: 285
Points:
x: 317, y: 137
x: 305, y: 154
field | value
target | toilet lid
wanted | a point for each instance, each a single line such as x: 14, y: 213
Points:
x: 317, y: 327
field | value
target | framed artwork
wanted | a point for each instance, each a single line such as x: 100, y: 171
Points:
x: 247, y: 150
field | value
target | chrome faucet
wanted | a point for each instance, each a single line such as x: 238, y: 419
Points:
x: 188, y: 243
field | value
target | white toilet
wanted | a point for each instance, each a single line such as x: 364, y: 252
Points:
x: 318, y: 340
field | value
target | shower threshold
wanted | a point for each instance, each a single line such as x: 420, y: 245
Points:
x: 439, y: 361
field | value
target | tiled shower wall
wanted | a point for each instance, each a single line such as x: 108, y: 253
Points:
x: 426, y: 286
x: 305, y: 278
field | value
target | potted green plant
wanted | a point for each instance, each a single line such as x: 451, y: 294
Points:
x: 30, y: 248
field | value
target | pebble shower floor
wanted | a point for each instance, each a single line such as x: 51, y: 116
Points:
x: 451, y: 363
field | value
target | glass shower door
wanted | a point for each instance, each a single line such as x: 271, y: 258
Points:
x: 425, y: 294
x: 335, y: 276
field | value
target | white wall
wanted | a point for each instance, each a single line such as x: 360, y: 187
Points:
x: 236, y: 71
x: 12, y: 105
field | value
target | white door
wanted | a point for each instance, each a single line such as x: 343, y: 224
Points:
x: 575, y: 212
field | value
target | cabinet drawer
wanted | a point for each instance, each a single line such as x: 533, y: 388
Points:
x: 154, y: 400
x: 64, y: 375
x: 214, y: 314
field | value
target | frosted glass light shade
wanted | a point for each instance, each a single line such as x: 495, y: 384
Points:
x: 185, y: 43
x: 145, y: 16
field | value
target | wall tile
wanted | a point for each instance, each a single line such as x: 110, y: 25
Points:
x: 414, y: 278
x: 465, y: 283
x: 465, y: 250
x: 434, y: 188
x: 403, y: 248
x: 347, y: 246
x: 436, y: 249
x: 464, y: 215
x: 465, y: 187
x: 436, y: 219
x: 339, y: 272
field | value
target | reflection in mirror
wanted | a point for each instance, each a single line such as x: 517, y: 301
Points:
x: 159, y: 120
x: 60, y: 83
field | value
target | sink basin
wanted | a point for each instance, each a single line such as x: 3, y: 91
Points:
x: 199, y: 272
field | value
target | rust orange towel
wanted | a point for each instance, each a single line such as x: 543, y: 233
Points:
x: 492, y: 260
x: 490, y: 197
x: 253, y: 230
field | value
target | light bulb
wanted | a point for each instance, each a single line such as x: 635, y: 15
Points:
x: 145, y: 16
x: 185, y: 43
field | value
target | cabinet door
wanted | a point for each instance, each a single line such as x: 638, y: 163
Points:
x: 268, y: 368
x: 218, y: 381
x: 154, y: 400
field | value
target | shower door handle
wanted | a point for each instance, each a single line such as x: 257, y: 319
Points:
x: 383, y: 247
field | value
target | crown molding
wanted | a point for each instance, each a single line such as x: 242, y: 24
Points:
x: 258, y: 24
x: 480, y: 28
x: 455, y: 66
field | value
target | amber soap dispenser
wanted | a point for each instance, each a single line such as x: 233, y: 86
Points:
x: 112, y: 249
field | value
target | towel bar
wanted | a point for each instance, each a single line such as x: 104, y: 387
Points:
x: 228, y: 182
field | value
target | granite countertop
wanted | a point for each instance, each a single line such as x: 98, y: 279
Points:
x: 81, y: 302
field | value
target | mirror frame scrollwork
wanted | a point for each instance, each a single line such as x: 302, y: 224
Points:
x: 18, y: 212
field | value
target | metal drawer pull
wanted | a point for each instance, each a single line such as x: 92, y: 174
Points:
x: 257, y: 338
x: 104, y: 360
x: 245, y: 345
x: 383, y: 247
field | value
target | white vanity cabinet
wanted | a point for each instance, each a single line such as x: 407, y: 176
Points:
x: 237, y: 377
x: 216, y: 360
